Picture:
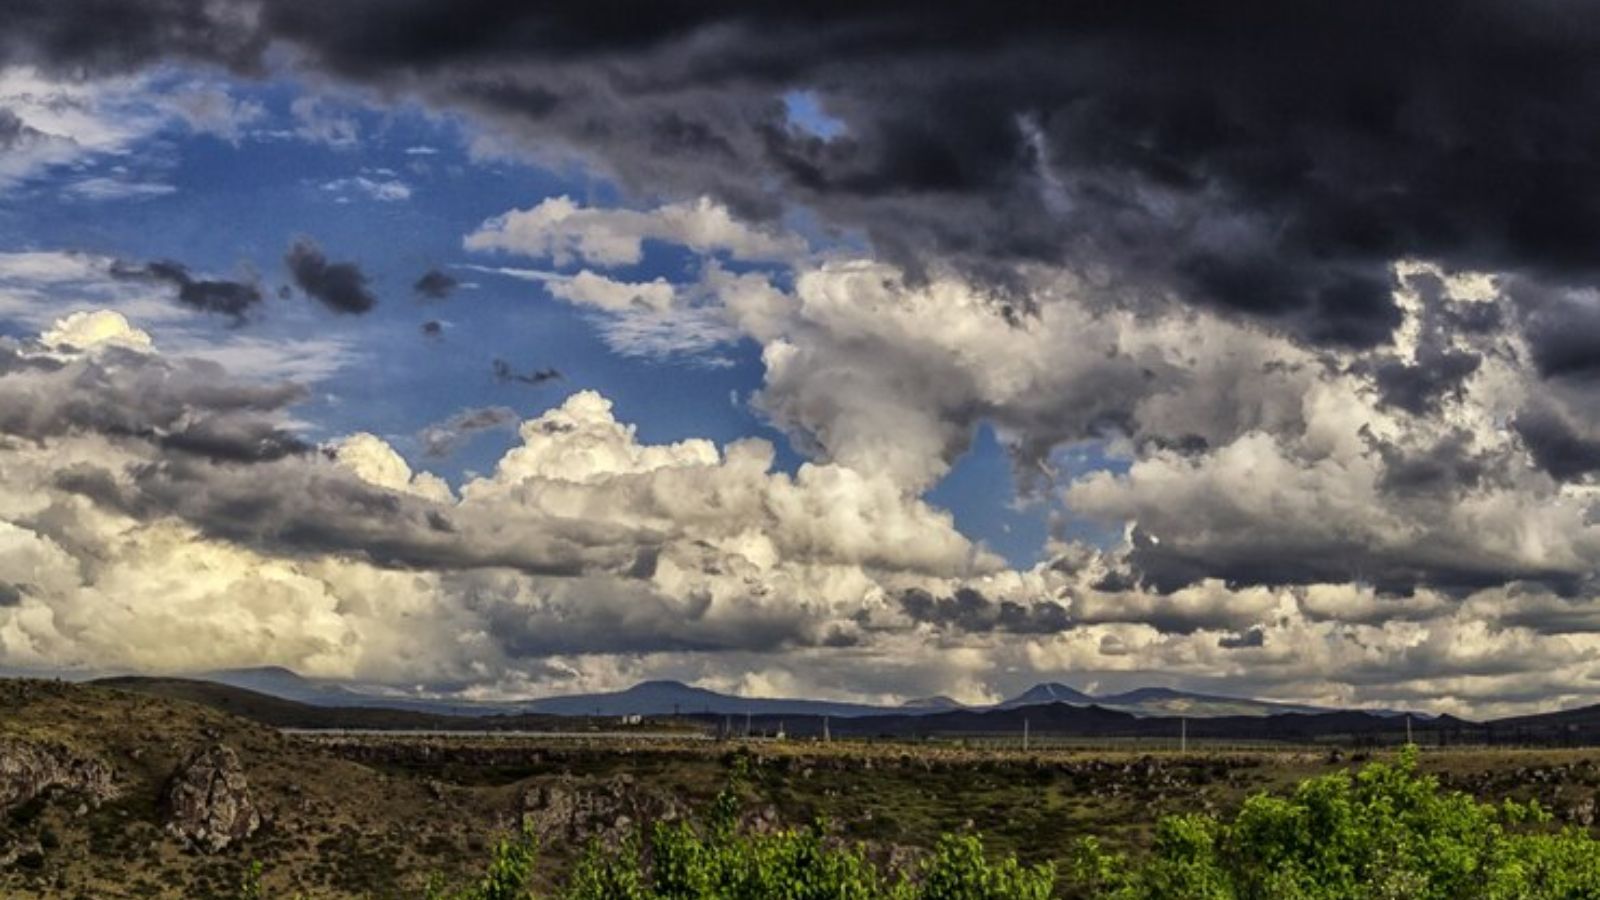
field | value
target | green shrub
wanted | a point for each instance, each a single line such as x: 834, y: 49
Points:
x: 1386, y: 832
x: 719, y: 861
x: 509, y: 876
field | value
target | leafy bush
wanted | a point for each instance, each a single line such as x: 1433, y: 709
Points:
x: 1387, y: 832
x: 509, y: 876
x: 721, y: 862
x: 795, y: 865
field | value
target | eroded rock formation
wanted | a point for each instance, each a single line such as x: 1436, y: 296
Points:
x: 208, y: 800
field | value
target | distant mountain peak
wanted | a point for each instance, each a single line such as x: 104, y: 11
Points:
x: 663, y: 684
x: 1050, y: 692
x: 1154, y: 693
x: 278, y: 672
x: 938, y: 701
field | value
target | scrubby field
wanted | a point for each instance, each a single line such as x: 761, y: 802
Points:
x: 86, y: 808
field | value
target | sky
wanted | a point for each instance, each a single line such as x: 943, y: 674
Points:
x: 861, y: 351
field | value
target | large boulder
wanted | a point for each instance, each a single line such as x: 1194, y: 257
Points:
x: 208, y: 800
x: 30, y: 768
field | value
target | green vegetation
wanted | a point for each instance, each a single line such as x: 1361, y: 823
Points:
x: 722, y: 861
x: 509, y: 876
x: 1385, y: 832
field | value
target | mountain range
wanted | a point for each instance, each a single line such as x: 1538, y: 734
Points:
x: 1051, y: 719
x: 658, y: 698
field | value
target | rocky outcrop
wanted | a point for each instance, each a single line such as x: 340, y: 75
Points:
x: 567, y: 811
x: 29, y: 769
x: 208, y: 800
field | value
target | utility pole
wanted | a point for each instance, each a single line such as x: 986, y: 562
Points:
x: 747, y: 724
x: 1183, y: 734
x: 826, y: 736
x: 1408, y: 730
x: 1024, y: 735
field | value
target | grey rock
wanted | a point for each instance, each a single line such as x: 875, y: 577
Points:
x: 20, y: 853
x: 208, y: 800
x: 28, y: 769
x: 1583, y: 812
x: 565, y: 810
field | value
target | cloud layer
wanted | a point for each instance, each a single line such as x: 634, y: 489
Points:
x: 1328, y: 313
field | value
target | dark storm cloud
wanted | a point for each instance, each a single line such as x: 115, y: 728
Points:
x: 96, y: 36
x: 504, y: 372
x: 188, y: 406
x: 1439, y: 369
x: 310, y: 505
x: 442, y: 438
x: 969, y: 610
x: 1274, y: 554
x: 340, y: 286
x: 229, y: 298
x: 435, y: 285
x: 1440, y: 471
x: 14, y: 132
x: 1418, y: 387
x: 1268, y: 161
x: 228, y: 440
x: 1562, y: 329
x: 623, y: 616
x: 1558, y: 445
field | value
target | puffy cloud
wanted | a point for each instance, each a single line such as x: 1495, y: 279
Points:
x: 210, y: 109
x: 563, y: 231
x: 1290, y: 529
x: 375, y: 462
x: 601, y: 292
x: 383, y: 190
x: 86, y: 330
x: 317, y: 122
x: 583, y: 540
